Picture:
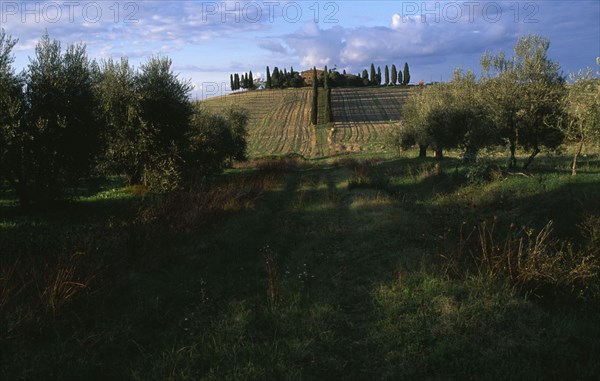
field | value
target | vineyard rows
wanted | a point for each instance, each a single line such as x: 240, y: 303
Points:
x: 363, y: 116
x: 280, y: 120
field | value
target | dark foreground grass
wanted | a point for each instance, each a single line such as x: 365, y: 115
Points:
x: 298, y: 271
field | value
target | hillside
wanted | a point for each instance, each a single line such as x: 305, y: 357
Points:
x: 363, y: 115
x: 280, y: 120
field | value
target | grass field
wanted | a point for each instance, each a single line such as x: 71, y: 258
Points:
x: 280, y: 120
x: 304, y: 270
x: 348, y: 264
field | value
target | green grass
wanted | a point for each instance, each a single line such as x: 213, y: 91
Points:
x: 360, y: 289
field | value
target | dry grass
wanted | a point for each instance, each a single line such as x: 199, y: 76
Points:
x: 273, y: 284
x: 535, y: 262
x: 366, y: 174
x: 62, y: 282
x: 190, y: 210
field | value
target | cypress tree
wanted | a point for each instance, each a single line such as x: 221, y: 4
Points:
x: 236, y: 81
x: 268, y: 84
x: 315, y: 98
x: 231, y: 83
x: 406, y: 74
x: 394, y: 75
x: 372, y: 76
x: 378, y: 76
x: 250, y: 81
x: 387, y: 75
x: 325, y: 78
x: 275, y: 78
x: 400, y: 78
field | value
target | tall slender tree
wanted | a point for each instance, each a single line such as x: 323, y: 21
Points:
x: 394, y: 75
x: 276, y: 78
x: 372, y: 78
x: 406, y: 74
x: 315, y: 98
x: 378, y: 77
x: 268, y: 83
x: 250, y: 81
x: 387, y: 75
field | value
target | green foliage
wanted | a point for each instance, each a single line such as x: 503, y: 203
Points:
x: 372, y: 76
x: 56, y: 142
x: 12, y: 108
x: 582, y: 106
x: 524, y: 95
x: 400, y: 77
x: 447, y: 116
x: 387, y: 75
x: 406, y: 79
x: 126, y: 138
x: 394, y: 75
x: 269, y: 82
x: 214, y: 140
x: 314, y: 111
x: 78, y: 119
x: 165, y: 113
x: 210, y: 143
x: 365, y: 78
x: 238, y: 127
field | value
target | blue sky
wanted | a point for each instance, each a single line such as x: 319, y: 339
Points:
x: 208, y: 40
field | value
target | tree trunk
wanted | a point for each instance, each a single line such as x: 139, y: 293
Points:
x: 512, y: 162
x: 439, y: 154
x: 422, y: 150
x: 470, y: 155
x: 577, y: 153
x: 531, y: 157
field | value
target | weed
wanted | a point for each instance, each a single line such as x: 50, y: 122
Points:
x: 273, y: 285
x: 63, y: 282
x: 366, y: 175
x: 534, y: 261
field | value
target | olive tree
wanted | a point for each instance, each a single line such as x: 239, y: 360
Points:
x: 446, y: 116
x: 582, y: 105
x: 165, y: 110
x: 12, y: 108
x: 125, y: 137
x: 524, y: 95
x: 55, y: 143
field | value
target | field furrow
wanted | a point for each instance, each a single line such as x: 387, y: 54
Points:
x: 279, y: 120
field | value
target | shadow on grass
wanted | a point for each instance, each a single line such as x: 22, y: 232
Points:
x: 361, y: 293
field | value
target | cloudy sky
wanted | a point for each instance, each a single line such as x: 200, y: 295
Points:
x: 208, y: 40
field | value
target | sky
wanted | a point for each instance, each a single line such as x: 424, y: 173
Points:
x: 209, y: 40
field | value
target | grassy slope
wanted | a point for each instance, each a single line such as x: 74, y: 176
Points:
x: 363, y: 115
x: 361, y: 294
x: 280, y: 120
